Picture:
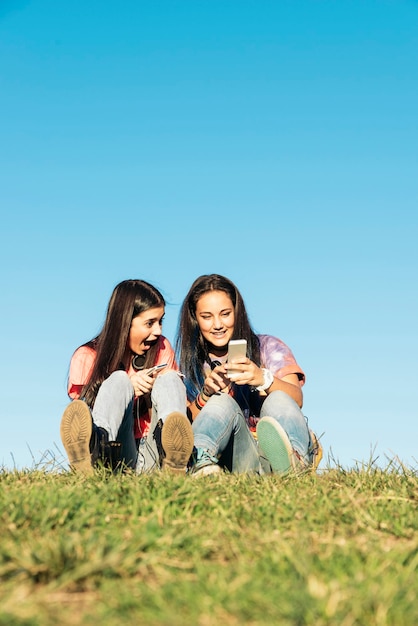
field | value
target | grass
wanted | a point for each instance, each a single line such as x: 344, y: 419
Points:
x: 339, y: 547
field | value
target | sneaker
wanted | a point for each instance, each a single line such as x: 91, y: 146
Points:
x: 275, y: 445
x: 204, y: 464
x: 76, y: 430
x: 177, y: 442
x: 207, y: 470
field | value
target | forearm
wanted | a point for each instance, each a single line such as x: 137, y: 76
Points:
x: 195, y: 406
x: 292, y: 390
x: 193, y: 410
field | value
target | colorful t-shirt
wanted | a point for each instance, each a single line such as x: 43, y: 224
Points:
x: 278, y: 357
x: 81, y: 366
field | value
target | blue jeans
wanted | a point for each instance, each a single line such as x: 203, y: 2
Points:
x: 113, y: 410
x: 221, y: 429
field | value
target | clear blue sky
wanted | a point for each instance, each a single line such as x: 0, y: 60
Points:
x: 274, y: 142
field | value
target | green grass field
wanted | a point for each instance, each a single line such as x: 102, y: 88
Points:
x: 339, y: 547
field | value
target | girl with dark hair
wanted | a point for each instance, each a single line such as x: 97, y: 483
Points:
x: 123, y: 410
x: 249, y: 420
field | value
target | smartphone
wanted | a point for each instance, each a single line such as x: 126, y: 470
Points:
x: 156, y: 368
x: 236, y: 348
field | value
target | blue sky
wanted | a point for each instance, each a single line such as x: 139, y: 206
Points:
x: 274, y: 142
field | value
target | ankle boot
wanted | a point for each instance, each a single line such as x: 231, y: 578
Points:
x: 112, y: 454
x: 108, y: 452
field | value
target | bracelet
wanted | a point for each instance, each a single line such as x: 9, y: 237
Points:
x: 204, y: 396
x: 268, y: 380
x: 199, y: 402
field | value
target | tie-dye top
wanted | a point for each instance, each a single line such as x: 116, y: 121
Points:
x: 278, y: 357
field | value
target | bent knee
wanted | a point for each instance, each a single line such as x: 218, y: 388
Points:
x: 279, y: 401
x: 223, y: 400
x: 119, y: 379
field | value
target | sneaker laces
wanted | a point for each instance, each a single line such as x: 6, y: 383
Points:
x: 202, y: 458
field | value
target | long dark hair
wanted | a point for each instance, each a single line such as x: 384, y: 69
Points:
x: 191, y: 347
x: 129, y: 299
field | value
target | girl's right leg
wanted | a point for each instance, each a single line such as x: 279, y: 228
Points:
x: 113, y: 411
x: 88, y: 436
x: 219, y: 425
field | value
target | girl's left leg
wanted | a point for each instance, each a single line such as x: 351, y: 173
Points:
x: 170, y: 439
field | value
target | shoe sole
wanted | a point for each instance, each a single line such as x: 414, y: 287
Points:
x: 177, y: 441
x: 76, y: 428
x: 275, y: 444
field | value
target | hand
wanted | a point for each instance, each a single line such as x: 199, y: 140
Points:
x: 143, y: 381
x: 248, y: 373
x: 216, y: 381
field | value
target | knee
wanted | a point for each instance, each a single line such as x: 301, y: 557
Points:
x: 279, y: 403
x: 168, y: 380
x: 219, y: 413
x: 119, y: 376
x: 167, y: 377
x: 220, y: 408
x: 223, y: 402
x: 119, y: 380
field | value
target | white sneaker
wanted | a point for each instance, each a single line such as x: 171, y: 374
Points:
x: 206, y: 470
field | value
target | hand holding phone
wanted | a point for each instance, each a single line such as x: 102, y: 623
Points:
x: 237, y: 348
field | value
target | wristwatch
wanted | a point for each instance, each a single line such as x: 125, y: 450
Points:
x: 268, y: 380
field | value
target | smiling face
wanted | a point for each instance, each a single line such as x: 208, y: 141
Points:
x: 215, y: 316
x: 145, y: 330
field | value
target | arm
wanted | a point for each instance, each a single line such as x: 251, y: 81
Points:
x: 192, y: 410
x: 251, y: 374
x: 215, y: 382
x: 277, y: 357
x: 81, y: 365
x: 289, y: 384
x: 143, y: 380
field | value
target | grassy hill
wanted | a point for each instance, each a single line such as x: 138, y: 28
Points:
x: 339, y: 547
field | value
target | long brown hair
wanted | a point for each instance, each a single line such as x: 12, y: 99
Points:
x: 129, y: 299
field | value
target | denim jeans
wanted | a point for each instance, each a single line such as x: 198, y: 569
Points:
x: 221, y: 429
x: 113, y: 410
